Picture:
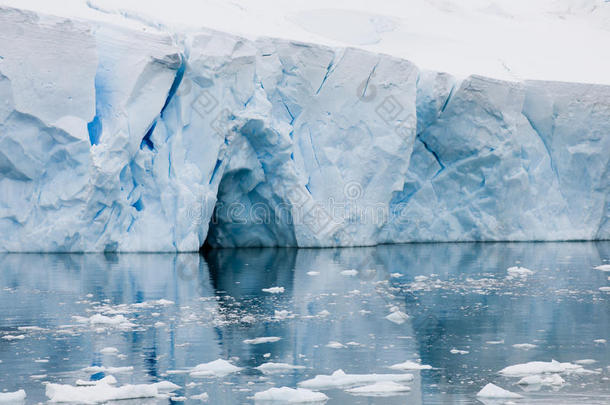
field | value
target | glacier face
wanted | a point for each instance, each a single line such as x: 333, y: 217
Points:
x: 113, y: 139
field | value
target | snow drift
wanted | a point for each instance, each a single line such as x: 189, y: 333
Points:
x: 117, y: 139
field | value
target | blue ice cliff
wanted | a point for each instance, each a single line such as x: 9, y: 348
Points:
x: 114, y: 139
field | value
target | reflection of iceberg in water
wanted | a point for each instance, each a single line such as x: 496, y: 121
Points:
x: 456, y: 296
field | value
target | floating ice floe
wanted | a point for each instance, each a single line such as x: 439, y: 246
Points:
x: 603, y: 267
x: 493, y: 391
x: 216, y: 368
x: 495, y: 342
x: 109, y: 370
x: 13, y: 337
x: 282, y: 314
x: 585, y: 361
x: 313, y: 273
x: 600, y: 341
x: 275, y: 368
x: 290, y: 395
x: 118, y: 321
x: 540, y: 367
x: 410, y: 365
x: 457, y: 351
x: 384, y: 388
x: 350, y: 273
x: 604, y: 289
x: 274, y: 290
x: 261, y: 340
x: 99, y: 393
x: 544, y: 379
x: 109, y: 350
x: 12, y: 397
x: 200, y: 397
x: 396, y: 316
x: 110, y: 380
x: 339, y: 379
x: 520, y: 272
x: 524, y: 346
x: 335, y: 345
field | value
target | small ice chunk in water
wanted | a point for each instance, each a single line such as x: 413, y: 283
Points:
x: 290, y: 395
x: 350, y: 273
x: 384, y: 388
x: 493, y: 391
x: 524, y: 346
x: 603, y: 267
x: 335, y: 345
x: 109, y: 350
x: 600, y: 341
x: 604, y: 289
x: 517, y: 271
x: 109, y: 379
x: 410, y: 365
x: 12, y: 397
x: 340, y: 379
x: 273, y: 290
x: 313, y: 273
x: 457, y: 351
x: 216, y: 368
x: 397, y: 316
x: 275, y: 368
x: 261, y: 340
x: 111, y: 370
x: 585, y: 361
x: 200, y: 397
x: 99, y: 393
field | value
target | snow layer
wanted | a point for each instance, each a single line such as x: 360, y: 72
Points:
x: 126, y: 134
x: 99, y: 393
x: 539, y: 367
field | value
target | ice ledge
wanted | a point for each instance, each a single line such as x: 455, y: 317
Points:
x: 280, y: 143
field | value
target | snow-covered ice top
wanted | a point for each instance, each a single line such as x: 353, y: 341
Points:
x: 506, y: 39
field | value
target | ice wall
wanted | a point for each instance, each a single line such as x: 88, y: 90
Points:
x: 115, y: 139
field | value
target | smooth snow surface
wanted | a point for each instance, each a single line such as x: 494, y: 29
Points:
x: 290, y: 395
x: 545, y: 379
x: 99, y: 393
x: 493, y: 391
x: 276, y: 368
x: 216, y: 368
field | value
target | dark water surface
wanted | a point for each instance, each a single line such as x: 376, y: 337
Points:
x: 457, y: 296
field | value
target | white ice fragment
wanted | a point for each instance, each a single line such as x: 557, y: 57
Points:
x: 524, y: 346
x: 274, y: 290
x: 109, y: 379
x: 13, y: 337
x: 313, y: 273
x: 600, y: 341
x: 384, y: 388
x: 603, y: 267
x: 12, y: 397
x: 458, y: 351
x: 97, y: 394
x: 493, y: 391
x: 586, y: 361
x: 282, y: 314
x: 339, y: 379
x: 216, y: 368
x: 410, y: 365
x: 200, y: 397
x: 542, y: 379
x: 276, y: 368
x: 110, y: 370
x: 397, y: 317
x: 420, y: 279
x: 604, y: 289
x: 335, y: 345
x: 517, y: 271
x: 166, y: 386
x: 290, y: 395
x: 350, y: 273
x: 495, y: 342
x: 396, y: 275
x: 538, y: 367
x: 323, y: 313
x: 109, y: 350
x: 261, y: 340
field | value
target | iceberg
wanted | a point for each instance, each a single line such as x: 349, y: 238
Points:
x: 119, y: 136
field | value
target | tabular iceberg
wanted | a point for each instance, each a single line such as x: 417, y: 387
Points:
x: 115, y: 139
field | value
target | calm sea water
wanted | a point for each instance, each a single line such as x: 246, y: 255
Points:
x: 457, y: 296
